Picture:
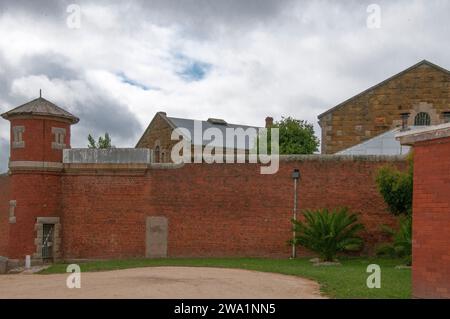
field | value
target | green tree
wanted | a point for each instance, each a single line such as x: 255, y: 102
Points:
x: 295, y: 137
x: 396, y: 187
x: 103, y: 142
x: 329, y: 232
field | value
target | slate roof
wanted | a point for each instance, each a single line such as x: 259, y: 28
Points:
x: 40, y: 107
x: 189, y: 125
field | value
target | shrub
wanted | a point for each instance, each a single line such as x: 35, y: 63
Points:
x: 328, y: 233
x: 402, y: 241
x: 396, y: 187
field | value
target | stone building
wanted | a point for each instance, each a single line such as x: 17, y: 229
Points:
x: 419, y: 94
x: 157, y: 136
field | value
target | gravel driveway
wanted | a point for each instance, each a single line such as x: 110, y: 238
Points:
x: 161, y: 282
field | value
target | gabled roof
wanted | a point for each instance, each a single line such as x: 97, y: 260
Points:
x: 188, y: 124
x: 40, y: 107
x: 423, y: 62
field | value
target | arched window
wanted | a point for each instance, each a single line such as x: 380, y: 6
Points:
x: 422, y: 118
x: 157, y: 159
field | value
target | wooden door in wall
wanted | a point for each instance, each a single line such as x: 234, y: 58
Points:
x: 156, y: 237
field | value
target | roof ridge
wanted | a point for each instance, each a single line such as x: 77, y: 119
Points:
x: 206, y: 121
x: 422, y: 62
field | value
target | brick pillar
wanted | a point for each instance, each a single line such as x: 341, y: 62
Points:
x: 431, y: 211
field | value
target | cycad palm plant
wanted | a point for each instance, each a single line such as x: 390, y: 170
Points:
x: 402, y: 241
x: 329, y: 232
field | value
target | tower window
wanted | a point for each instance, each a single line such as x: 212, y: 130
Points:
x: 18, y: 141
x: 422, y: 119
x: 60, y: 136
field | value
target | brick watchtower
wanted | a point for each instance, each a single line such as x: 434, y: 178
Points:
x: 40, y: 130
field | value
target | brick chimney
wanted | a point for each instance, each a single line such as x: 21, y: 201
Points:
x: 404, y: 117
x: 269, y: 121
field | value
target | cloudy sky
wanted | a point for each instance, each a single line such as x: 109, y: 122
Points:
x: 232, y: 59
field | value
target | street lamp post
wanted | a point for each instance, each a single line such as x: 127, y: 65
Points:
x: 295, y: 177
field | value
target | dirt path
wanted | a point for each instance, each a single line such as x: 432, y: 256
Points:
x: 161, y: 282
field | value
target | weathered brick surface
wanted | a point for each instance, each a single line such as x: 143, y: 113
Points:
x: 431, y: 219
x: 104, y: 215
x: 38, y: 139
x: 4, y: 214
x: 38, y: 194
x: 212, y: 210
x: 423, y: 88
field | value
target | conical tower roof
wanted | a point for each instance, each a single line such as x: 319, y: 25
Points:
x: 40, y: 107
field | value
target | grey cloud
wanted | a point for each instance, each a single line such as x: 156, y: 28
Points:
x: 7, y: 75
x: 197, y: 18
x: 98, y: 113
x: 404, y: 39
x: 183, y: 11
x: 219, y: 10
x: 48, y: 9
x: 105, y: 115
x: 4, y: 154
x: 203, y: 18
x: 50, y: 64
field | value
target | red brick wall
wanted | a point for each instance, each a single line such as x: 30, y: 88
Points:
x: 104, y: 215
x: 213, y: 210
x: 38, y: 139
x: 4, y: 214
x: 431, y: 219
x: 37, y: 195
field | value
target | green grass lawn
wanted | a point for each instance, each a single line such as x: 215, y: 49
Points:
x: 345, y: 281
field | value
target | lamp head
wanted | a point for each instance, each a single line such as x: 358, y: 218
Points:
x: 295, y: 174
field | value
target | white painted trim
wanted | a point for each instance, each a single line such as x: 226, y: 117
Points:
x: 35, y: 165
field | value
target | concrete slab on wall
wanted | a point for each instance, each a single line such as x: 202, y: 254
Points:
x: 110, y: 155
x: 156, y: 237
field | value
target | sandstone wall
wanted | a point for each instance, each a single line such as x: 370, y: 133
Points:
x: 422, y: 89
